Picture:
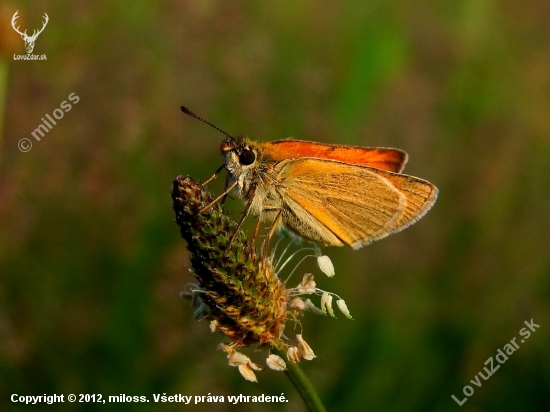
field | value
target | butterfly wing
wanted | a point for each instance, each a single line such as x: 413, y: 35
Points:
x: 336, y: 203
x: 392, y: 160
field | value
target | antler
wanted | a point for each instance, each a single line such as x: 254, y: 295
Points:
x: 15, y: 17
x: 36, y: 33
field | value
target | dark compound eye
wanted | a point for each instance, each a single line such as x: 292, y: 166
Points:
x: 247, y: 157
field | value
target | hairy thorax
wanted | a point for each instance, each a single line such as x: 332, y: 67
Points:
x: 256, y: 186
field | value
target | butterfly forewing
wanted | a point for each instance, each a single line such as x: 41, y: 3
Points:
x: 420, y: 195
x: 392, y: 160
x: 356, y: 204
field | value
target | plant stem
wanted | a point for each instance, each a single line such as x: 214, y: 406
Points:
x: 302, y: 384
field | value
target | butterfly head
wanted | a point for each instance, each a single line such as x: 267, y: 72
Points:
x: 240, y: 155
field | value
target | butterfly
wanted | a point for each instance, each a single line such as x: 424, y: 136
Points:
x: 328, y: 193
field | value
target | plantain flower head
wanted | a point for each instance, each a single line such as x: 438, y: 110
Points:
x: 241, y: 296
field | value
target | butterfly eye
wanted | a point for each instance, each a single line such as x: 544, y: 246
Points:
x: 247, y: 157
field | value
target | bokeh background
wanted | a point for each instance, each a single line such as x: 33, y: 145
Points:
x: 91, y: 262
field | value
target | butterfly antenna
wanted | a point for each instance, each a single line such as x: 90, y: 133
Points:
x: 196, y: 116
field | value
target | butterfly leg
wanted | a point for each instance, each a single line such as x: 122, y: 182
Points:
x: 272, y: 230
x: 216, y: 174
x: 253, y: 241
x: 245, y: 214
x: 225, y: 192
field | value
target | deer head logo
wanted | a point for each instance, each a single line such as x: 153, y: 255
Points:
x: 29, y: 40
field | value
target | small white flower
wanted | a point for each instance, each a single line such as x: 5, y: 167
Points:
x: 310, y: 306
x: 214, y: 325
x: 293, y: 354
x: 307, y: 285
x: 245, y: 365
x: 275, y: 362
x: 326, y: 304
x: 255, y: 366
x: 226, y: 348
x: 298, y: 304
x: 343, y: 308
x: 326, y: 266
x: 238, y: 358
x: 247, y: 373
x: 305, y: 349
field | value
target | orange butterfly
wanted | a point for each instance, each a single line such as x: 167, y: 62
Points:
x: 331, y: 194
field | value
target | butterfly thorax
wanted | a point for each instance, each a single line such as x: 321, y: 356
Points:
x: 245, y: 165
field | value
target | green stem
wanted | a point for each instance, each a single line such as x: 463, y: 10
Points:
x: 302, y: 384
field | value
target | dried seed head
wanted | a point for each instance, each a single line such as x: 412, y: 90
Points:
x: 240, y: 296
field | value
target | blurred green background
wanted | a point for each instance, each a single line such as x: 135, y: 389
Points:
x: 91, y: 261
